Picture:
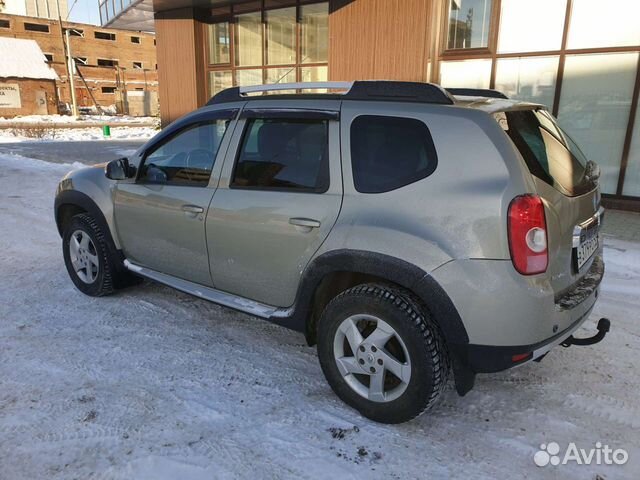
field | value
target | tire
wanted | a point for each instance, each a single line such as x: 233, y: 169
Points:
x: 98, y: 273
x: 415, y: 351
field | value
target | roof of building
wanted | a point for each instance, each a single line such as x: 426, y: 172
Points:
x: 24, y: 59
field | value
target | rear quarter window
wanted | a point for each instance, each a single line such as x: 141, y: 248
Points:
x: 390, y: 152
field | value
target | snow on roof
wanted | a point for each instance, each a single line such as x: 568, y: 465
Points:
x: 23, y: 59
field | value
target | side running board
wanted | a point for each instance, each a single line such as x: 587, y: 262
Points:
x: 216, y: 296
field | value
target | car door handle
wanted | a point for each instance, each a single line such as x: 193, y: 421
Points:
x: 305, y: 222
x: 192, y: 209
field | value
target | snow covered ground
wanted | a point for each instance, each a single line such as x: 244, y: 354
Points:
x: 154, y: 384
x: 44, y: 119
x: 85, y: 128
x: 79, y: 134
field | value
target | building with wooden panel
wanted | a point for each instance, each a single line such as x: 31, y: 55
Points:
x: 112, y: 67
x: 581, y: 58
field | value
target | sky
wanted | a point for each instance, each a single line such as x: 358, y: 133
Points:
x: 84, y: 11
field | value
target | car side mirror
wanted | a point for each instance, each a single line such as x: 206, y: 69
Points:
x: 119, y: 169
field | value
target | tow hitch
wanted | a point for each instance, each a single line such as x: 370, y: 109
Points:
x: 604, y: 325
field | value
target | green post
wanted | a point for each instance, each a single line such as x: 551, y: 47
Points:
x: 106, y: 131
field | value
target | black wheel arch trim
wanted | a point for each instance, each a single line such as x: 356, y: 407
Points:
x: 386, y: 267
x: 399, y: 272
x: 83, y: 201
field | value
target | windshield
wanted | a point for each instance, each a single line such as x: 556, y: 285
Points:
x: 549, y: 152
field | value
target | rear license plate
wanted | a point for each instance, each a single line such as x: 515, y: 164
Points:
x: 589, y: 243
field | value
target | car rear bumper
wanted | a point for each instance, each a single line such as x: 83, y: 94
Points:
x: 490, y: 359
x: 501, y: 308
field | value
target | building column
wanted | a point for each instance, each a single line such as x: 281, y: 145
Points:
x: 379, y: 39
x: 181, y: 62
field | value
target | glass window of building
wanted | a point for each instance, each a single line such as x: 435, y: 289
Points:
x: 469, y: 22
x: 532, y: 79
x: 249, y: 39
x: 530, y: 27
x: 594, y: 107
x: 219, y: 80
x: 286, y: 42
x: 219, y: 43
x: 281, y: 36
x: 595, y: 23
x: 632, y: 178
x: 249, y: 77
x: 314, y: 74
x: 281, y: 75
x: 466, y: 73
x: 314, y: 25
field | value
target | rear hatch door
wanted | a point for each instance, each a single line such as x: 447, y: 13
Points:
x: 568, y: 185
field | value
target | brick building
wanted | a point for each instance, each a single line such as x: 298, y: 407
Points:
x: 114, y: 67
x: 36, y: 8
x: 27, y: 83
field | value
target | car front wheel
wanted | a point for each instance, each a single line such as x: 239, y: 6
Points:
x: 381, y: 353
x: 86, y: 257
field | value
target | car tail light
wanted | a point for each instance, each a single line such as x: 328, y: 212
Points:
x: 528, y: 235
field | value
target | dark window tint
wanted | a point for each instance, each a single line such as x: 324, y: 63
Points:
x: 390, y: 152
x: 4, y: 23
x: 108, y: 89
x: 548, y: 151
x: 187, y: 158
x: 36, y: 27
x: 76, y: 32
x: 284, y: 154
x: 135, y: 39
x: 105, y: 36
x: 103, y: 62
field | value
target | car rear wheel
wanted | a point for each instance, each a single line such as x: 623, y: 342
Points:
x: 381, y: 353
x: 86, y: 257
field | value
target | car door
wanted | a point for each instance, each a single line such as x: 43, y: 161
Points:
x: 279, y: 196
x: 160, y: 216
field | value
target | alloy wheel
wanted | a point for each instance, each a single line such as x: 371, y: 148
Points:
x: 372, y: 358
x: 84, y: 256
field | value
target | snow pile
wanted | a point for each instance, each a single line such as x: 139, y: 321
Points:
x: 23, y: 59
x: 152, y: 383
x: 74, y: 134
x: 44, y: 119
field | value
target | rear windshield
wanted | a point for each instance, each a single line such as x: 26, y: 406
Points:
x: 549, y: 152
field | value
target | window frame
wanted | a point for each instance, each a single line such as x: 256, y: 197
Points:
x: 227, y: 114
x: 308, y: 115
x: 106, y: 36
x: 39, y: 27
x: 114, y: 62
x: 432, y: 153
x: 492, y: 38
x: 230, y: 13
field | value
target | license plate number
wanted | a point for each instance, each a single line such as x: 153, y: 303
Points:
x: 589, y: 243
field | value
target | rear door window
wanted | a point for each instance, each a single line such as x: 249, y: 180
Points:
x: 548, y: 151
x: 284, y: 154
x: 390, y: 152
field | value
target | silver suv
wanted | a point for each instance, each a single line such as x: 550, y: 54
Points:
x: 409, y: 231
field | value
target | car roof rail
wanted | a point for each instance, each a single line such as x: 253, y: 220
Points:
x: 385, y: 90
x: 476, y: 92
